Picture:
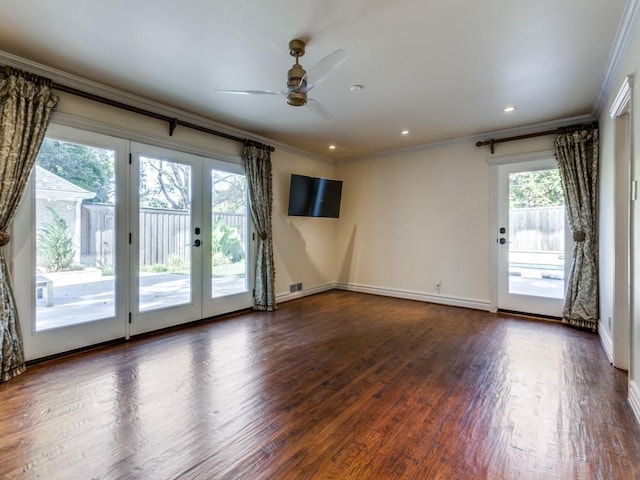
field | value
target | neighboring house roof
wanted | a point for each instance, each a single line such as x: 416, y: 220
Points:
x: 49, y: 185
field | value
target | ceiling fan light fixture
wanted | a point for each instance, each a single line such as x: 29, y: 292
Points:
x: 297, y: 99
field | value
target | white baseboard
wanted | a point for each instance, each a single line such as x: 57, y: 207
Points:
x: 387, y: 292
x: 420, y: 296
x: 606, y: 341
x: 634, y: 398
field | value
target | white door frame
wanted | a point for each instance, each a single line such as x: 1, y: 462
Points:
x: 625, y: 209
x: 495, y: 162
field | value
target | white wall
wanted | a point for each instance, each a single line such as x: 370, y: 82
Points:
x: 304, y: 247
x: 606, y: 231
x: 411, y: 218
x: 608, y: 273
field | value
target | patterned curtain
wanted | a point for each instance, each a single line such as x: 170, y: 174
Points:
x: 577, y: 156
x: 257, y: 164
x: 26, y: 104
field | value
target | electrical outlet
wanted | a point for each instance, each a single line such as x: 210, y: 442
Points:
x: 438, y: 283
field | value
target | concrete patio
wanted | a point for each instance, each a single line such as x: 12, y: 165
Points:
x: 86, y: 295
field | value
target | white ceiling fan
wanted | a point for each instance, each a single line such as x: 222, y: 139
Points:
x: 300, y: 82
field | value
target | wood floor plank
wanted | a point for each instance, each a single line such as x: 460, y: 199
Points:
x: 339, y: 385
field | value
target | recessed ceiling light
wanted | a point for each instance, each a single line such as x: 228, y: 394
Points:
x: 509, y: 109
x: 356, y: 88
x: 405, y: 132
x: 332, y: 147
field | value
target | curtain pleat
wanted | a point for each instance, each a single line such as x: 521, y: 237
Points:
x: 26, y: 104
x: 257, y: 163
x: 577, y: 156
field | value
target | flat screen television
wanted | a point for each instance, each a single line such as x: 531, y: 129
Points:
x: 314, y: 197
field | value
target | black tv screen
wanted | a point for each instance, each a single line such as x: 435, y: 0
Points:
x: 314, y: 197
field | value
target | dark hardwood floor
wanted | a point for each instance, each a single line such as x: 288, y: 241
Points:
x: 335, y: 386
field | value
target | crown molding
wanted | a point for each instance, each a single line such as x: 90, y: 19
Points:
x: 95, y: 88
x: 621, y: 104
x: 508, y: 132
x: 626, y: 31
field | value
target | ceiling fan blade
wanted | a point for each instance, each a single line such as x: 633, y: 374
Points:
x: 323, y: 68
x: 250, y: 92
x: 319, y: 109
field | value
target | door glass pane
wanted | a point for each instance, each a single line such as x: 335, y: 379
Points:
x: 75, y: 234
x: 164, y: 234
x: 536, y: 234
x: 229, y: 233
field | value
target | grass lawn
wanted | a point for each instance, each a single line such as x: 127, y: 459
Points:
x: 228, y: 270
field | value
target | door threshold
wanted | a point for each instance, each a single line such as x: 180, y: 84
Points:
x: 535, y: 316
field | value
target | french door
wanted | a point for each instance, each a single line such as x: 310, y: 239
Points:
x: 190, y: 248
x: 69, y: 271
x: 117, y: 238
x: 166, y: 245
x: 533, y: 249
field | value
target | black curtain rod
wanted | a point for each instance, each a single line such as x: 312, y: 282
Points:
x: 172, y: 121
x: 571, y: 128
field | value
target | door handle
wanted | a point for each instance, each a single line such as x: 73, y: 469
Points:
x: 196, y: 243
x: 503, y: 240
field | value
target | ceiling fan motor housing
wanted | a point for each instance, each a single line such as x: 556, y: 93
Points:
x: 296, y: 74
x: 295, y: 97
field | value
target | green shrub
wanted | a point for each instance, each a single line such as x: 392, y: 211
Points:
x: 226, y: 245
x: 218, y: 258
x: 106, y: 270
x: 177, y: 264
x: 55, y: 248
x: 157, y: 268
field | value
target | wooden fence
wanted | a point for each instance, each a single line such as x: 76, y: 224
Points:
x: 97, y: 230
x: 539, y: 229
x: 163, y: 234
x: 166, y: 233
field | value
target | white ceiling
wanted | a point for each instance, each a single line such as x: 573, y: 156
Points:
x: 442, y: 69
